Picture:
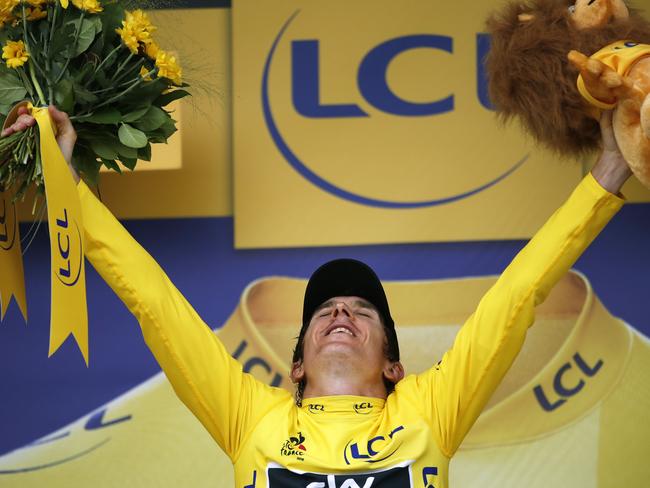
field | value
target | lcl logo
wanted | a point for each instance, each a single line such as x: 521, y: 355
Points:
x: 70, y: 255
x: 563, y: 390
x: 374, y: 88
x: 8, y: 224
x: 372, y: 79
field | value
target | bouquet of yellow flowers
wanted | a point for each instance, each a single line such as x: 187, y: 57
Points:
x: 99, y: 62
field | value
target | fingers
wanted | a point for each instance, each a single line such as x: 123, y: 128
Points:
x: 607, y: 131
x: 23, y: 121
x: 66, y: 135
x: 61, y: 118
x: 64, y: 126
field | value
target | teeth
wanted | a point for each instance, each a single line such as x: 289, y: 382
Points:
x: 341, y: 329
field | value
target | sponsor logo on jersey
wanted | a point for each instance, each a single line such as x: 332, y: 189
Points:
x: 363, y: 408
x: 395, y: 477
x: 315, y: 408
x: 377, y: 449
x: 294, y: 446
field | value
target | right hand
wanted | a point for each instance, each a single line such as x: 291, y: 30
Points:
x: 66, y: 135
x: 611, y: 170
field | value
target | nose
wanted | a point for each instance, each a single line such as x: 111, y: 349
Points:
x: 341, y: 308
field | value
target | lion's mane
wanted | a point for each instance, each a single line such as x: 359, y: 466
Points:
x: 531, y: 78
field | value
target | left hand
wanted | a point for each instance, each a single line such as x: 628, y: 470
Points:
x: 66, y: 135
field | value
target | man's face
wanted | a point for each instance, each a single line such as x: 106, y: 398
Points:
x: 348, y: 331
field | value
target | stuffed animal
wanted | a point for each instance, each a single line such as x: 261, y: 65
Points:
x: 539, y: 72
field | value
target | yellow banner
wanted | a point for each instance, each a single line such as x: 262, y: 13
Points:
x: 68, y: 310
x: 11, y: 260
x: 374, y: 116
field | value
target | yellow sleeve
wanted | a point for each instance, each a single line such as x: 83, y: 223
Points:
x: 453, y: 393
x: 205, y: 377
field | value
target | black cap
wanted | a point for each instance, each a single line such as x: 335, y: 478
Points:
x: 343, y: 278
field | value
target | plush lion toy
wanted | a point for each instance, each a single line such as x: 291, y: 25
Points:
x: 540, y: 72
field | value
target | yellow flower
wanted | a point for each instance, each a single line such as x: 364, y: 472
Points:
x: 151, y: 49
x: 64, y: 3
x: 15, y: 54
x: 8, y: 5
x: 35, y: 13
x: 144, y: 73
x: 168, y: 67
x: 90, y: 6
x: 6, y: 11
x: 136, y: 29
x: 37, y: 3
x: 141, y: 20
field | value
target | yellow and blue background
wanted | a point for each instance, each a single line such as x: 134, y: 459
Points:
x: 293, y: 152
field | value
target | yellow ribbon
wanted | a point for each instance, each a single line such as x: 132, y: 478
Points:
x: 69, y: 314
x: 11, y: 260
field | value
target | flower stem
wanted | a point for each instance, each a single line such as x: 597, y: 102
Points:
x: 114, y: 98
x: 39, y: 90
x: 110, y: 55
x: 26, y: 82
x: 74, y: 46
x: 120, y: 78
x: 121, y: 66
x: 57, y: 7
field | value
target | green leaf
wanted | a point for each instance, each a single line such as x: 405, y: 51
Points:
x: 132, y: 137
x: 83, y: 95
x: 63, y: 38
x: 112, y: 17
x: 64, y: 95
x: 87, y: 32
x: 152, y: 120
x: 146, y: 93
x: 144, y: 153
x: 84, y: 71
x: 85, y: 162
x: 11, y: 89
x: 135, y: 114
x: 110, y: 164
x: 104, y: 116
x: 168, y: 128
x: 167, y: 98
x: 129, y: 163
x: 125, y: 151
x: 103, y: 149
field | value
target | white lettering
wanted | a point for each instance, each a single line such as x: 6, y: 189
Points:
x: 349, y: 483
x: 316, y: 484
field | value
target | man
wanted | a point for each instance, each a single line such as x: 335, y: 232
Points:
x: 357, y: 421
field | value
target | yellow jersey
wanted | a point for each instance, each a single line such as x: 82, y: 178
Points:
x: 344, y: 441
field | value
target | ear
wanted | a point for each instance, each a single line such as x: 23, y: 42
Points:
x: 394, y: 372
x: 525, y: 17
x: 297, y: 373
x: 619, y: 10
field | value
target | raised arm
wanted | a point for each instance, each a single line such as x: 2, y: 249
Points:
x: 457, y: 389
x: 203, y: 374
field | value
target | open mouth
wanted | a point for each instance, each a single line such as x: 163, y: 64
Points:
x: 340, y: 329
